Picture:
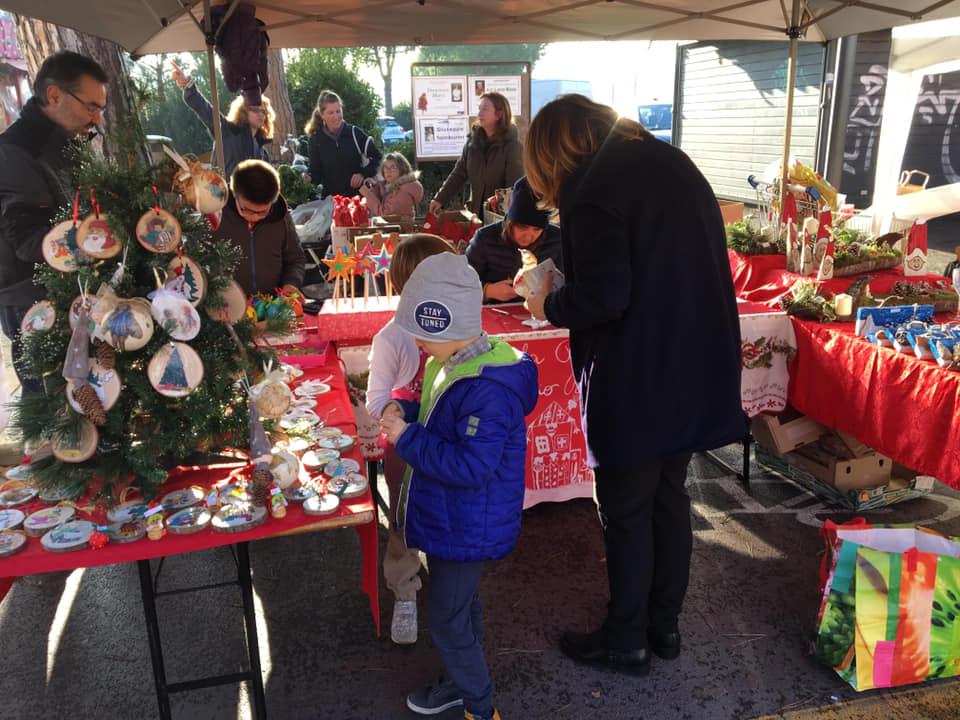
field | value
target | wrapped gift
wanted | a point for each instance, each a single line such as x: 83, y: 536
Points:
x: 871, y: 318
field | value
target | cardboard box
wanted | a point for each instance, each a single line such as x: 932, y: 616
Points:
x: 731, y: 211
x: 785, y: 432
x: 407, y: 224
x: 843, y: 473
x: 376, y: 239
x: 342, y: 237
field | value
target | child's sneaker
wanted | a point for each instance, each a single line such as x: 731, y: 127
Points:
x: 436, y: 698
x: 470, y: 716
x: 403, y: 627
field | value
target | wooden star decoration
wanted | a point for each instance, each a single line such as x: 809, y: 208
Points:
x: 381, y: 261
x: 340, y: 265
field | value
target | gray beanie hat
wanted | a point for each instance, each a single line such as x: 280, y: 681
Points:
x: 442, y: 300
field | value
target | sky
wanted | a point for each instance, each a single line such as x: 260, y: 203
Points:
x: 622, y: 74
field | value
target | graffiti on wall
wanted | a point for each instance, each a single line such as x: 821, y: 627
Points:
x: 863, y: 124
x: 935, y: 119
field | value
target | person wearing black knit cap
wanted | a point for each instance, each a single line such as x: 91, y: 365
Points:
x: 495, y: 253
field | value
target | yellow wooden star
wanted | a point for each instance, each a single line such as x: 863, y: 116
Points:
x: 340, y: 265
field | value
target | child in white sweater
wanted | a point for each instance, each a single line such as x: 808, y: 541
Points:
x: 396, y: 372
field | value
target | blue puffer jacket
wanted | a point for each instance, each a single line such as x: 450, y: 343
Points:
x: 462, y: 493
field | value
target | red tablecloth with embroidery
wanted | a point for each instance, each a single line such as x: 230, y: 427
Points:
x: 905, y: 408
x: 358, y: 512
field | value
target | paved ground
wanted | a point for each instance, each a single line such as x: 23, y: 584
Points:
x: 74, y: 645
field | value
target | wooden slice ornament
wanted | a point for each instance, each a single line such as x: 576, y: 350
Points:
x: 11, y: 543
x: 175, y: 370
x: 17, y: 495
x: 11, y: 519
x: 298, y: 493
x: 341, y: 442
x: 188, y: 521
x: 75, y: 311
x: 70, y: 536
x: 239, y: 517
x: 159, y: 231
x: 321, y: 504
x: 128, y: 511
x: 43, y: 521
x: 187, y: 278
x: 182, y: 498
x: 105, y: 383
x: 285, y: 467
x: 175, y: 314
x: 318, y: 459
x: 231, y: 304
x: 76, y: 447
x: 341, y: 467
x: 129, y: 326
x: 41, y: 316
x: 125, y: 532
x: 97, y: 239
x: 23, y: 471
x: 60, y: 248
x: 56, y: 494
x: 349, y: 485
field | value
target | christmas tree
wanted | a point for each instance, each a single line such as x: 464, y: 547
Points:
x: 145, y: 433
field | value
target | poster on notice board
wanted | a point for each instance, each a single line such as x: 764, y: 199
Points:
x: 441, y: 137
x: 507, y: 85
x: 442, y: 96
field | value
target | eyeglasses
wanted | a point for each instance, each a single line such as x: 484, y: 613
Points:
x: 252, y: 213
x: 91, y: 107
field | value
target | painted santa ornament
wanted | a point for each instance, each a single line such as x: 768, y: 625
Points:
x: 175, y: 370
x: 60, y: 247
x: 41, y: 316
x: 97, y: 239
x: 188, y: 279
x: 77, y: 446
x: 159, y: 231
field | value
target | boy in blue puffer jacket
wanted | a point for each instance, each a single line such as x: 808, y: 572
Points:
x: 465, y: 446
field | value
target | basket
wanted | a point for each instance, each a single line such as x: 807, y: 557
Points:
x: 906, y: 186
x: 884, y: 263
x: 863, y: 222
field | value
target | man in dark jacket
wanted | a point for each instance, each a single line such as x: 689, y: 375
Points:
x: 256, y: 220
x: 494, y: 251
x: 69, y: 97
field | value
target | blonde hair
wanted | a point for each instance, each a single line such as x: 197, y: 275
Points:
x: 563, y: 133
x: 410, y: 252
x: 237, y: 115
x: 502, y: 106
x: 326, y: 97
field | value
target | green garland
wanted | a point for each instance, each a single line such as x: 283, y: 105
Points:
x: 146, y: 433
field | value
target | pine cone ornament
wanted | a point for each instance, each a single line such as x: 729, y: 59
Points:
x: 106, y: 355
x: 262, y: 477
x: 92, y: 408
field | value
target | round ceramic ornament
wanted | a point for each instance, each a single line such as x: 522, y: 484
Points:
x: 125, y: 532
x: 128, y: 511
x: 341, y: 467
x: 298, y: 493
x: 11, y: 543
x: 320, y: 458
x: 321, y: 504
x: 75, y: 311
x: 175, y: 370
x: 76, y: 447
x: 129, y: 326
x: 206, y: 190
x: 285, y: 467
x: 60, y: 247
x: 328, y: 431
x: 236, y: 518
x: 14, y: 496
x: 231, y: 304
x: 349, y: 485
x: 188, y: 279
x: 54, y: 495
x: 175, y: 314
x: 73, y: 535
x: 312, y: 388
x: 341, y: 442
x: 234, y: 494
x: 272, y: 397
x: 11, y: 519
x: 40, y: 316
x: 299, y: 422
x: 23, y: 471
x: 105, y: 383
x: 189, y: 520
x: 182, y: 498
x: 97, y: 239
x: 159, y: 231
x: 44, y: 520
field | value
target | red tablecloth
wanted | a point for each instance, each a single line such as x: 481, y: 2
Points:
x: 764, y: 279
x: 358, y: 512
x: 905, y: 408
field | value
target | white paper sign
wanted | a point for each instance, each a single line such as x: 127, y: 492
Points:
x: 441, y: 96
x: 441, y: 137
x: 510, y: 86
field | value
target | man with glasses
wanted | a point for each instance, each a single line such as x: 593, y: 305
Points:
x: 69, y: 98
x: 256, y: 220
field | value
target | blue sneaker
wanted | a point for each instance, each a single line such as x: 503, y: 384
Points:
x: 436, y: 698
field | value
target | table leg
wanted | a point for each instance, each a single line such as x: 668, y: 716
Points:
x: 744, y: 475
x: 370, y: 567
x: 250, y: 619
x: 153, y: 637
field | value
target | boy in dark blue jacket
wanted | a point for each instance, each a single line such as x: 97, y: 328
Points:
x: 465, y: 446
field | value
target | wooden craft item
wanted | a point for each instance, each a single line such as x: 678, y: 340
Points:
x: 159, y: 231
x: 60, y: 247
x: 96, y: 238
x: 175, y: 370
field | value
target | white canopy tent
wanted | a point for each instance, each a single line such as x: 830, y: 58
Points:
x: 151, y: 26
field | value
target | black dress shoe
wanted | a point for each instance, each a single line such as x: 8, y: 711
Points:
x: 664, y: 645
x: 591, y: 649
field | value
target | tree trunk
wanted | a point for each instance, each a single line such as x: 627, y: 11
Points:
x: 283, y: 124
x: 38, y: 40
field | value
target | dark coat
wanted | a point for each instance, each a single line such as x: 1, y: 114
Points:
x: 496, y: 259
x: 332, y: 162
x: 487, y: 164
x: 33, y: 187
x: 239, y: 143
x: 271, y: 256
x: 654, y: 330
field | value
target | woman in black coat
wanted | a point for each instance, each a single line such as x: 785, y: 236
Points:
x: 341, y: 155
x: 655, y: 346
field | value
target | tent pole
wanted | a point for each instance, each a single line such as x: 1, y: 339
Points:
x: 214, y: 95
x: 794, y: 32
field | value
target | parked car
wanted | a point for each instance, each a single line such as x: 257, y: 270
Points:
x: 391, y: 132
x: 658, y: 119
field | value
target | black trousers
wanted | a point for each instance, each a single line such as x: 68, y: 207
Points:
x: 645, y: 514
